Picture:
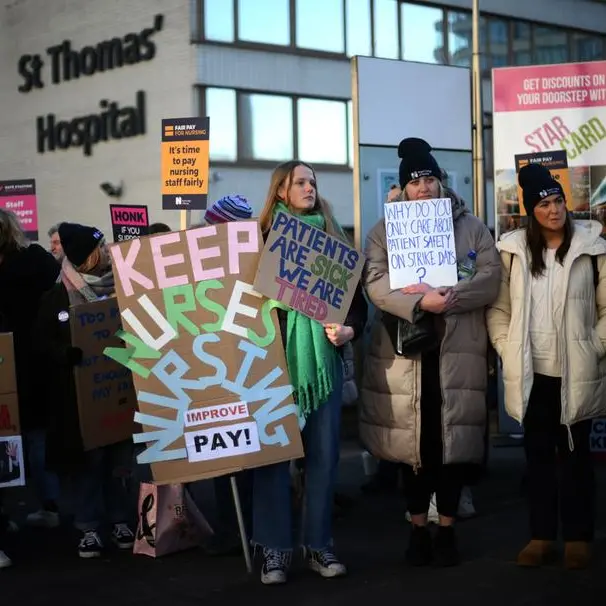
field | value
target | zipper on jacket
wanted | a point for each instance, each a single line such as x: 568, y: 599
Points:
x: 417, y: 466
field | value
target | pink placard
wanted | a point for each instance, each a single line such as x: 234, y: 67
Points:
x: 540, y: 87
x: 20, y: 198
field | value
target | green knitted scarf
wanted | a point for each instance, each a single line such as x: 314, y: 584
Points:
x: 311, y: 358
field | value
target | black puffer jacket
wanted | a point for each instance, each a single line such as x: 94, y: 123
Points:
x: 25, y: 276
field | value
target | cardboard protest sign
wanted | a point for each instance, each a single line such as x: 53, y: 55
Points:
x: 185, y: 143
x: 206, y: 354
x: 128, y: 221
x: 557, y: 163
x: 309, y: 270
x: 12, y: 468
x: 19, y: 196
x: 104, y: 388
x: 420, y: 243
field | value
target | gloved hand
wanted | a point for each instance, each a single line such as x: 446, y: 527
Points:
x: 73, y: 355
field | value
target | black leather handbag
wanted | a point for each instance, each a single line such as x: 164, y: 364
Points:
x: 411, y: 339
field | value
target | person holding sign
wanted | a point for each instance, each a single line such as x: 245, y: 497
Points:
x: 86, y: 276
x: 424, y: 385
x: 548, y: 325
x: 313, y: 356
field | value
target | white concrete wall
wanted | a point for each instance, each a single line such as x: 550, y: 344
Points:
x: 67, y: 181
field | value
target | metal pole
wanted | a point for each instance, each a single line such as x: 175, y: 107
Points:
x: 478, y: 117
x: 241, y: 525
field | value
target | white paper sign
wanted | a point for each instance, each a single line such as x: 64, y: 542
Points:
x: 12, y: 468
x: 420, y: 243
x: 212, y: 414
x: 220, y: 442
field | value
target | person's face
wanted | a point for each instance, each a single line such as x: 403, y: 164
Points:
x: 425, y: 188
x: 550, y: 212
x: 300, y: 192
x: 55, y: 246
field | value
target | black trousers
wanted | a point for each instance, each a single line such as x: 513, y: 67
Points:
x: 433, y: 476
x: 560, y: 479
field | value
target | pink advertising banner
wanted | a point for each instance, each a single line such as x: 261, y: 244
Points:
x: 19, y: 196
x: 545, y: 110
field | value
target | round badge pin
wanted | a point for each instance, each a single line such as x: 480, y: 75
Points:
x: 63, y: 316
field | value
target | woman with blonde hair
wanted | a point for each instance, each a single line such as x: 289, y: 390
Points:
x: 313, y: 357
x: 100, y: 474
x: 26, y: 272
x: 548, y: 325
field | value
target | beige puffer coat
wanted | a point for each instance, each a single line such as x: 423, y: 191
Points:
x: 390, y: 416
x: 580, y: 318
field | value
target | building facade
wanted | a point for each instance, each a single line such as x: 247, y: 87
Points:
x: 274, y: 77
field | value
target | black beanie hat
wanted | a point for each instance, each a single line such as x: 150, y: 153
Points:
x: 417, y: 161
x: 536, y: 183
x: 79, y: 241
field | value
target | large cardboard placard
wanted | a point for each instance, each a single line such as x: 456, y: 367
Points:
x: 104, y: 388
x: 309, y: 270
x: 206, y: 354
x: 12, y: 468
x: 420, y: 243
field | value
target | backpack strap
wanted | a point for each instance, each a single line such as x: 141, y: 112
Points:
x: 596, y: 271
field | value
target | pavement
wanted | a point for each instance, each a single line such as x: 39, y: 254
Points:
x: 370, y: 539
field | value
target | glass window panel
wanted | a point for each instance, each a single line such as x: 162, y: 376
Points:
x: 460, y: 42
x: 221, y: 109
x: 498, y: 42
x: 219, y: 20
x: 520, y: 43
x: 358, y: 28
x: 266, y: 22
x: 320, y: 25
x: 266, y: 127
x: 350, y: 132
x: 386, y: 29
x: 322, y: 131
x: 550, y: 45
x: 586, y: 47
x: 422, y: 33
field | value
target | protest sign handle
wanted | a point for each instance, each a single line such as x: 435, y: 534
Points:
x: 241, y: 526
x: 183, y: 214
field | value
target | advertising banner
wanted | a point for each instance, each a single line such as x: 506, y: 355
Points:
x: 185, y: 143
x: 206, y: 354
x: 20, y: 197
x: 545, y: 109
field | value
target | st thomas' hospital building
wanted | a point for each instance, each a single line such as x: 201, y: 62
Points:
x: 85, y: 85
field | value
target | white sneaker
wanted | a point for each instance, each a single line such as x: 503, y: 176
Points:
x: 5, y: 561
x: 466, y: 508
x: 432, y: 513
x: 43, y: 519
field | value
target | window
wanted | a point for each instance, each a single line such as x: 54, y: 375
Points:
x: 460, y: 42
x: 322, y: 131
x: 385, y: 13
x: 265, y: 123
x: 586, y: 47
x: 358, y: 28
x: 422, y: 33
x: 498, y: 42
x: 266, y: 22
x: 219, y: 20
x: 261, y: 127
x: 320, y: 25
x: 521, y: 43
x: 550, y: 45
x: 220, y: 104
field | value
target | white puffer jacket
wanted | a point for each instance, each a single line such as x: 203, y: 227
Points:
x: 580, y: 318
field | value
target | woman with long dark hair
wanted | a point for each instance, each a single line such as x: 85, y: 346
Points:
x: 314, y: 361
x: 548, y: 325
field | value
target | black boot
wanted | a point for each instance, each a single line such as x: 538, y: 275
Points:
x: 419, y: 552
x: 445, y: 547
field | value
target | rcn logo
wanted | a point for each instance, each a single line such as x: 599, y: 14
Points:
x: 179, y: 201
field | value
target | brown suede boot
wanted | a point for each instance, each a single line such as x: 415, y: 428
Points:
x: 537, y: 553
x: 577, y: 555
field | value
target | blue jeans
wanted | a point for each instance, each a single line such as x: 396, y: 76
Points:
x: 272, y: 508
x: 46, y: 483
x: 100, y: 490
